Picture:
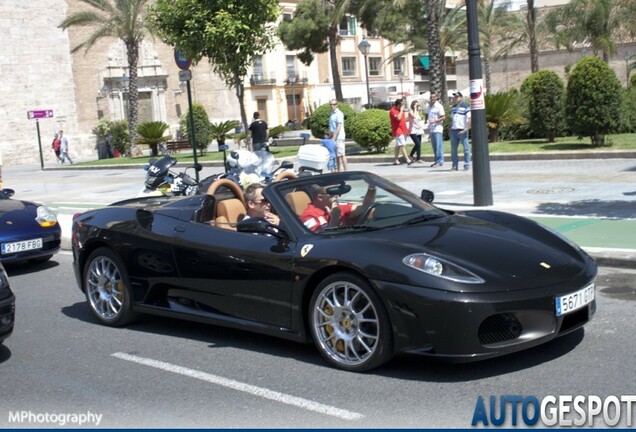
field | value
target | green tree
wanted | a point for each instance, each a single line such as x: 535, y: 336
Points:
x: 591, y: 105
x: 228, y: 32
x: 152, y: 133
x: 202, y: 127
x: 545, y: 94
x: 502, y: 109
x: 120, y: 135
x: 122, y: 19
x: 594, y: 22
x: 371, y: 129
x: 314, y: 29
x: 319, y: 120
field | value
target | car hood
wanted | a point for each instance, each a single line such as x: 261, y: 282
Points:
x: 507, y: 251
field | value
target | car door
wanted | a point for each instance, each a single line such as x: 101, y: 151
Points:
x: 235, y: 274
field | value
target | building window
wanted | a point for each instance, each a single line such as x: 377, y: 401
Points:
x: 398, y: 66
x: 421, y: 65
x: 375, y: 66
x: 287, y: 16
x: 348, y: 26
x: 348, y: 66
x: 291, y: 65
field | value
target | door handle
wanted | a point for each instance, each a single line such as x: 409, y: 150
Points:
x: 179, y: 228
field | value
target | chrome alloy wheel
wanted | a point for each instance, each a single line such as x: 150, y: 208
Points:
x: 346, y: 323
x: 105, y: 288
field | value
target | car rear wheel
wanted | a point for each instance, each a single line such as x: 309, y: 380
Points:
x: 349, y: 324
x: 108, y: 288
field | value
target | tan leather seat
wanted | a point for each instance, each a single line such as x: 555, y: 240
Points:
x: 298, y: 201
x: 228, y: 213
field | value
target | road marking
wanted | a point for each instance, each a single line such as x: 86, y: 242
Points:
x: 247, y: 388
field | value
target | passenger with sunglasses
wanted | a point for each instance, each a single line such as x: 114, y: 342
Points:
x: 325, y: 211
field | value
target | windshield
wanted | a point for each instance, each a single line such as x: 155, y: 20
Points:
x: 351, y: 202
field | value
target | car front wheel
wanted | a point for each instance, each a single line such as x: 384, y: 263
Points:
x: 349, y: 324
x: 108, y: 289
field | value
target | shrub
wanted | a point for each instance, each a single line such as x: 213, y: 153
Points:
x: 120, y: 136
x: 632, y: 80
x: 152, y: 134
x: 591, y: 106
x: 502, y: 109
x: 319, y: 120
x: 102, y: 130
x: 371, y: 129
x: 202, y: 126
x: 221, y: 130
x: 544, y: 94
x: 628, y: 111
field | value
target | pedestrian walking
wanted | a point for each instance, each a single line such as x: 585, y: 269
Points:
x: 336, y: 125
x: 259, y: 132
x: 460, y: 124
x: 416, y: 131
x: 64, y: 148
x: 56, y: 145
x: 435, y: 118
x: 399, y: 130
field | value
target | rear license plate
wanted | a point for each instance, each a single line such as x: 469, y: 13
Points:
x: 576, y: 300
x: 25, y: 245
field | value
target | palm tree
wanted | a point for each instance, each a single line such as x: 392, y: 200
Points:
x: 122, y: 19
x: 531, y: 24
x: 152, y: 134
x: 497, y: 29
x: 502, y: 109
x: 592, y: 21
x: 432, y: 9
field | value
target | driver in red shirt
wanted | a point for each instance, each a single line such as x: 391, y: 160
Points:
x: 325, y: 211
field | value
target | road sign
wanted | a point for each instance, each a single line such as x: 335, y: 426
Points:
x: 38, y: 114
x: 181, y: 58
x: 185, y: 75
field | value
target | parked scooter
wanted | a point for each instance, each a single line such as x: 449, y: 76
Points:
x: 161, y: 180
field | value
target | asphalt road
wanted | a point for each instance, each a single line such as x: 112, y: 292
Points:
x: 165, y: 373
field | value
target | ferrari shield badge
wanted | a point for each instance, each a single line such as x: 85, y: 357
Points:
x: 305, y: 249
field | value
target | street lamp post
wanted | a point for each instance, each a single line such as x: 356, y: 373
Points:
x: 364, y: 46
x: 482, y: 185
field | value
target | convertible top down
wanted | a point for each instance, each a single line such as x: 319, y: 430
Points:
x: 393, y: 274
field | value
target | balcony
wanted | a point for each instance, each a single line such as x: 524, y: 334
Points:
x: 262, y: 80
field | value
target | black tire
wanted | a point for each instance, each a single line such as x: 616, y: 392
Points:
x: 349, y: 323
x: 107, y: 288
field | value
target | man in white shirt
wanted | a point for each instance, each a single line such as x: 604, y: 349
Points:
x: 435, y: 119
x: 460, y: 116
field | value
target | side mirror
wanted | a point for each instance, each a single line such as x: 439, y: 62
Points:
x: 427, y: 196
x: 260, y: 226
x: 198, y: 167
x: 8, y: 192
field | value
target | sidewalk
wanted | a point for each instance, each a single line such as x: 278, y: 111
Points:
x: 591, y: 201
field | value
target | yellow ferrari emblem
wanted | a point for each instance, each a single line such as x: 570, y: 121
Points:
x: 305, y: 249
x: 546, y: 265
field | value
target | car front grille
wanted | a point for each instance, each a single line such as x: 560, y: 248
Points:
x: 499, y: 328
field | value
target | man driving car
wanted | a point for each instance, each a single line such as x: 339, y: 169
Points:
x: 325, y: 211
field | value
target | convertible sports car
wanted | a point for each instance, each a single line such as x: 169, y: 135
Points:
x: 393, y: 274
x: 7, y: 306
x: 28, y: 231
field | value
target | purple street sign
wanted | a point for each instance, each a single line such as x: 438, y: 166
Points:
x: 38, y: 114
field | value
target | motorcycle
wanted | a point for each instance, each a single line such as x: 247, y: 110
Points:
x: 242, y: 166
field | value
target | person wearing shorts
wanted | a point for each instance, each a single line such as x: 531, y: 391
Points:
x: 400, y: 131
x: 336, y: 125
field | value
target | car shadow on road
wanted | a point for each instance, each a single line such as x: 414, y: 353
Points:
x: 213, y: 335
x: 593, y: 208
x: 417, y: 368
x: 410, y: 367
x: 25, y: 267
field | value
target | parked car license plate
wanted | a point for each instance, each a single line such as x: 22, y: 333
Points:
x: 576, y: 300
x: 20, y: 246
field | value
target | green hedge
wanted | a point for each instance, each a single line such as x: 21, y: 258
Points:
x: 371, y: 129
x: 319, y: 120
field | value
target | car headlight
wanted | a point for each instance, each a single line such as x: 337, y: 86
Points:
x: 45, y: 217
x: 441, y: 268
